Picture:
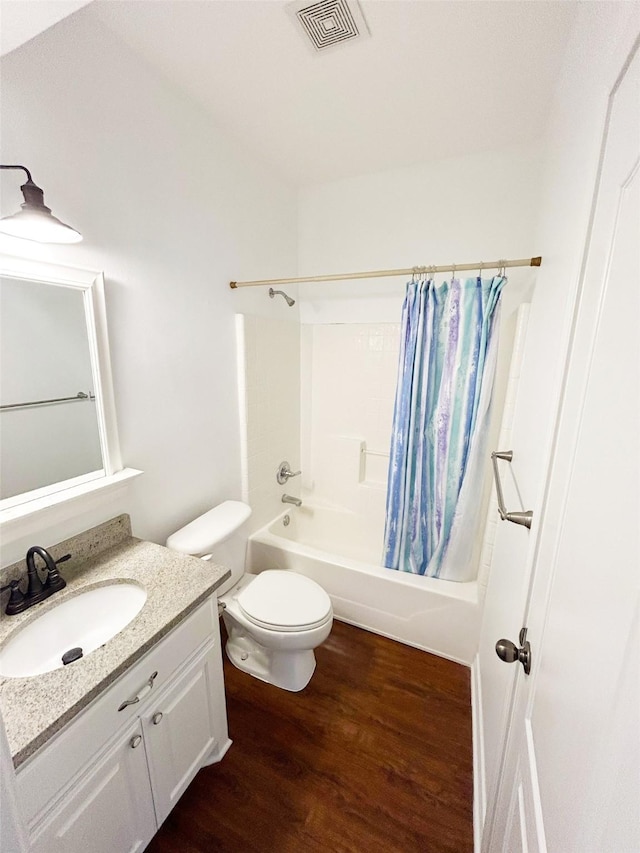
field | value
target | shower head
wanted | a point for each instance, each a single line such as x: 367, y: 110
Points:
x: 290, y: 301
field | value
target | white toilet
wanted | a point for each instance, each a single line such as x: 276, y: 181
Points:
x: 275, y: 619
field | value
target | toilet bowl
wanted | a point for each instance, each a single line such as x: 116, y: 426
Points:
x: 274, y: 619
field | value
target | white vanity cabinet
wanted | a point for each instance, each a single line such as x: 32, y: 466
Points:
x: 109, y: 809
x: 179, y: 731
x: 108, y: 780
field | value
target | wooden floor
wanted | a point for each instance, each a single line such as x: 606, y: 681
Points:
x: 374, y: 756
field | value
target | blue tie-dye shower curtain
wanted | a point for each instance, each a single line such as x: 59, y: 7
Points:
x: 445, y: 377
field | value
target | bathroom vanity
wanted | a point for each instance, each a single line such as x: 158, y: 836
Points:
x: 105, y: 746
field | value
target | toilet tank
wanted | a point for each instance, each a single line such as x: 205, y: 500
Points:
x: 211, y: 536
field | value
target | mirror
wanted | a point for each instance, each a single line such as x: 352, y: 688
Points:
x: 48, y: 418
x: 57, y: 420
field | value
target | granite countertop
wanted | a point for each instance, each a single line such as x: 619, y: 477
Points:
x: 35, y: 708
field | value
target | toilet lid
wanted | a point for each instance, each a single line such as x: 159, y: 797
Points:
x: 284, y: 601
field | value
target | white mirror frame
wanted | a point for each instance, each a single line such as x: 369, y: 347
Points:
x: 18, y: 513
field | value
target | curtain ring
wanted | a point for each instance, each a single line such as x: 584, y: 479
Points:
x: 480, y: 270
x: 453, y: 272
x: 414, y: 271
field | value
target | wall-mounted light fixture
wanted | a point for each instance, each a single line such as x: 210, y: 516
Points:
x: 35, y: 220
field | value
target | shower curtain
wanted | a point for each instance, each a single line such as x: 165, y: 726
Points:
x: 445, y: 378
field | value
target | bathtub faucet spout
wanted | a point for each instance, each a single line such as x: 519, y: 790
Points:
x: 287, y: 499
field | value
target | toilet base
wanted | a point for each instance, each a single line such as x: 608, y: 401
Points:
x: 288, y: 670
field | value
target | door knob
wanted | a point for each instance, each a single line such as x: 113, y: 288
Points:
x: 156, y: 718
x: 135, y: 741
x: 510, y: 653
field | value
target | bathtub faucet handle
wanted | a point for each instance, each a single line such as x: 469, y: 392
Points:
x: 285, y: 473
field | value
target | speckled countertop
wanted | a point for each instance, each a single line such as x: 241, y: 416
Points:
x: 36, y: 708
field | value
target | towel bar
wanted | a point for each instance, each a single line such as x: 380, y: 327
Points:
x: 523, y: 518
x: 81, y: 395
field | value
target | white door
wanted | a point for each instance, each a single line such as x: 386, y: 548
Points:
x: 571, y: 778
x: 179, y: 731
x: 110, y: 809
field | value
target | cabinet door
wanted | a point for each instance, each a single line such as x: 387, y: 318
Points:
x: 180, y: 731
x: 109, y: 809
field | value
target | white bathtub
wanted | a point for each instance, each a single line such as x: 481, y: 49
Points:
x: 330, y: 547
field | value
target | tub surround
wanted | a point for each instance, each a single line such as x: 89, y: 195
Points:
x: 34, y: 709
x: 268, y: 352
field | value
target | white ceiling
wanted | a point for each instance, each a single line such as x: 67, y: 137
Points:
x: 436, y: 79
x: 21, y: 20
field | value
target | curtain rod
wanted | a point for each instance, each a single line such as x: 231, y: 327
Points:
x: 480, y: 265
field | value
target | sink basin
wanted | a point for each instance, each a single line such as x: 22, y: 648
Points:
x: 85, y: 621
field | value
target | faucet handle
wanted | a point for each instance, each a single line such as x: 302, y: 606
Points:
x: 285, y: 473
x: 16, y: 600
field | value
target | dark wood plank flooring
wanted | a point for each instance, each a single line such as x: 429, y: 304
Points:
x: 374, y: 756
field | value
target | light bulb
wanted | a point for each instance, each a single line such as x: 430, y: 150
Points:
x: 39, y: 226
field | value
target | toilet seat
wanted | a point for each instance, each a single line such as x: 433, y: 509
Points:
x: 283, y: 601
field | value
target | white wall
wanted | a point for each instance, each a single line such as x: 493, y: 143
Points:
x: 602, y: 37
x: 479, y: 207
x: 171, y: 210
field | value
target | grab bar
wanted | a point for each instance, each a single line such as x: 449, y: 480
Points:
x: 524, y: 518
x: 365, y: 452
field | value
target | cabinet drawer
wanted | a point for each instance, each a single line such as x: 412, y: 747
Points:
x: 45, y: 776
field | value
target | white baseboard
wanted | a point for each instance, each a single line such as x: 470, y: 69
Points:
x: 217, y: 754
x: 479, y: 792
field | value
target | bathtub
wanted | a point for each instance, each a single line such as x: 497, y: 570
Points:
x: 332, y: 547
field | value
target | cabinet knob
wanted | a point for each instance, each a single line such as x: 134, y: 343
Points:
x: 135, y: 741
x: 156, y: 718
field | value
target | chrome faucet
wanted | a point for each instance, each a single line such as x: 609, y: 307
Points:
x: 37, y: 590
x: 285, y: 473
x: 287, y: 499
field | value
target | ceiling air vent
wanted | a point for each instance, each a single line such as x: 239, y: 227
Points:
x: 329, y: 22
